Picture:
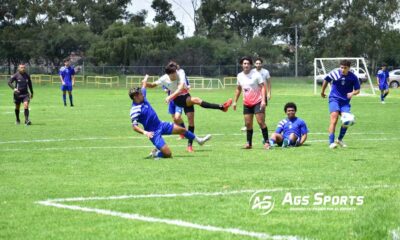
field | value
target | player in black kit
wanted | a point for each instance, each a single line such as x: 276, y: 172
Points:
x: 20, y: 82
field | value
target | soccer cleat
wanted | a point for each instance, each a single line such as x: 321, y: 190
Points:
x: 285, y: 143
x: 247, y: 146
x: 152, y: 154
x: 28, y: 122
x: 341, y: 143
x: 272, y: 144
x: 227, y: 104
x: 333, y: 145
x: 267, y: 146
x: 189, y: 149
x: 383, y: 102
x: 203, y: 140
x: 17, y: 122
x: 243, y: 129
x: 72, y: 105
x: 181, y: 136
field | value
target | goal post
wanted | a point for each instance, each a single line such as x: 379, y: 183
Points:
x: 322, y: 66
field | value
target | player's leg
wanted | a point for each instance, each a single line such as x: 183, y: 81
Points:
x: 345, y: 108
x: 64, y: 94
x: 385, y: 92
x: 248, y: 121
x: 178, y: 119
x: 70, y: 96
x: 198, y: 101
x: 334, y: 110
x: 260, y: 117
x: 276, y: 139
x: 17, y: 107
x: 162, y: 150
x: 189, y: 135
x: 26, y: 110
x: 190, y: 116
x: 291, y: 141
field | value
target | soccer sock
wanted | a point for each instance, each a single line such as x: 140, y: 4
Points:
x: 64, y: 99
x: 205, y: 104
x: 17, y: 114
x: 70, y: 99
x: 265, y: 134
x: 159, y: 154
x: 382, y: 97
x: 250, y: 136
x: 189, y: 135
x: 331, y: 138
x: 190, y: 141
x: 342, y: 133
x: 26, y: 113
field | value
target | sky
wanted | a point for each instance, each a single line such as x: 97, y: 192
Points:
x: 183, y: 11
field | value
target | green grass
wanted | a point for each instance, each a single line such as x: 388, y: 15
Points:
x: 91, y: 150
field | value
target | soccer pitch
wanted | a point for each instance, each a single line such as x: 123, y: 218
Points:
x: 80, y: 173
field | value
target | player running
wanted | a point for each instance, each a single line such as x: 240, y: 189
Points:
x: 20, y: 82
x: 345, y: 85
x: 252, y: 84
x: 291, y: 131
x: 175, y: 81
x: 142, y: 112
x: 382, y: 78
x: 67, y: 77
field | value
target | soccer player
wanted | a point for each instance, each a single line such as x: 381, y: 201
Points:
x: 345, y: 85
x: 67, y: 77
x: 175, y: 112
x: 175, y: 81
x: 252, y: 83
x: 20, y: 82
x: 142, y: 112
x: 382, y: 78
x: 291, y: 131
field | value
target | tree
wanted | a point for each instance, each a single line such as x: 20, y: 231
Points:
x: 165, y: 15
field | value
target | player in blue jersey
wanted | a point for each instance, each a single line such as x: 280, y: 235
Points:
x: 142, y: 112
x: 382, y: 78
x: 67, y: 77
x: 291, y: 131
x: 175, y: 112
x: 345, y: 85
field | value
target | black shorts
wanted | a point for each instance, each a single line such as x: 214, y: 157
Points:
x: 19, y: 98
x: 180, y: 101
x: 254, y: 109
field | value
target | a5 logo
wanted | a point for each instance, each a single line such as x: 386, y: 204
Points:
x: 261, y: 202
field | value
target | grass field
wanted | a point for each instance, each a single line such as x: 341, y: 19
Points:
x: 91, y: 151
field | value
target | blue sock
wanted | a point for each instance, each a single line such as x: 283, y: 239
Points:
x: 189, y: 135
x: 342, y: 133
x: 382, y: 97
x: 70, y: 99
x: 64, y: 99
x: 331, y: 138
x: 271, y: 142
x: 159, y: 154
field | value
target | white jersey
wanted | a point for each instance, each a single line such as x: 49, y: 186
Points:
x: 265, y: 74
x: 250, y: 84
x: 172, y: 86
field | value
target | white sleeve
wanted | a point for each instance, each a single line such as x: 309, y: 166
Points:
x: 238, y: 80
x: 161, y: 80
x: 267, y: 75
x: 260, y: 78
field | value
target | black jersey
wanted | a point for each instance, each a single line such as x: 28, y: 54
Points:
x: 21, y: 82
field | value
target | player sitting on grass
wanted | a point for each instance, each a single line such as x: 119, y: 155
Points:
x: 345, y: 85
x: 175, y: 81
x: 142, y: 112
x: 291, y: 131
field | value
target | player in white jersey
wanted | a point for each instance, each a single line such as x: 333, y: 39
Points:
x: 174, y: 79
x: 253, y: 86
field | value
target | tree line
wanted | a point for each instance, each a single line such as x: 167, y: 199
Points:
x: 103, y: 32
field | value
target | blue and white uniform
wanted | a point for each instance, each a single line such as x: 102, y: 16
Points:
x: 66, y: 73
x: 383, y: 77
x: 144, y: 114
x: 288, y: 126
x: 341, y: 86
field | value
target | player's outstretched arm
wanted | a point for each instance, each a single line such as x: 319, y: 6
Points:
x: 142, y: 131
x: 146, y: 84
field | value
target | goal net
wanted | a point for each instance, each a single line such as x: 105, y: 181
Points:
x: 322, y: 66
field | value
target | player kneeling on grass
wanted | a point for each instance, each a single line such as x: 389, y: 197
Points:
x: 142, y: 112
x: 291, y: 131
x: 345, y: 85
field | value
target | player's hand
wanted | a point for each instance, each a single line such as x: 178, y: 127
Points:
x: 31, y: 96
x: 168, y: 99
x: 63, y: 83
x: 149, y: 135
x: 16, y: 90
x: 262, y: 106
x: 350, y: 95
x: 145, y: 78
x: 234, y: 106
x: 268, y: 97
x: 323, y: 95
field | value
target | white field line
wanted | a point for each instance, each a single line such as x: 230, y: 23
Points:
x: 141, y: 137
x: 151, y: 146
x: 395, y: 234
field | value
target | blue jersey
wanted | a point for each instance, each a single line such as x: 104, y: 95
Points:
x: 342, y: 84
x: 66, y: 73
x: 383, y: 76
x: 289, y: 126
x: 144, y: 114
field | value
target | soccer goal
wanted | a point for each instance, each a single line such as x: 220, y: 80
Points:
x: 322, y: 66
x: 205, y: 83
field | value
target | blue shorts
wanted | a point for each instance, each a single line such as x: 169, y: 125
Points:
x: 165, y: 128
x: 66, y: 88
x: 339, y: 106
x: 383, y: 87
x: 172, y: 108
